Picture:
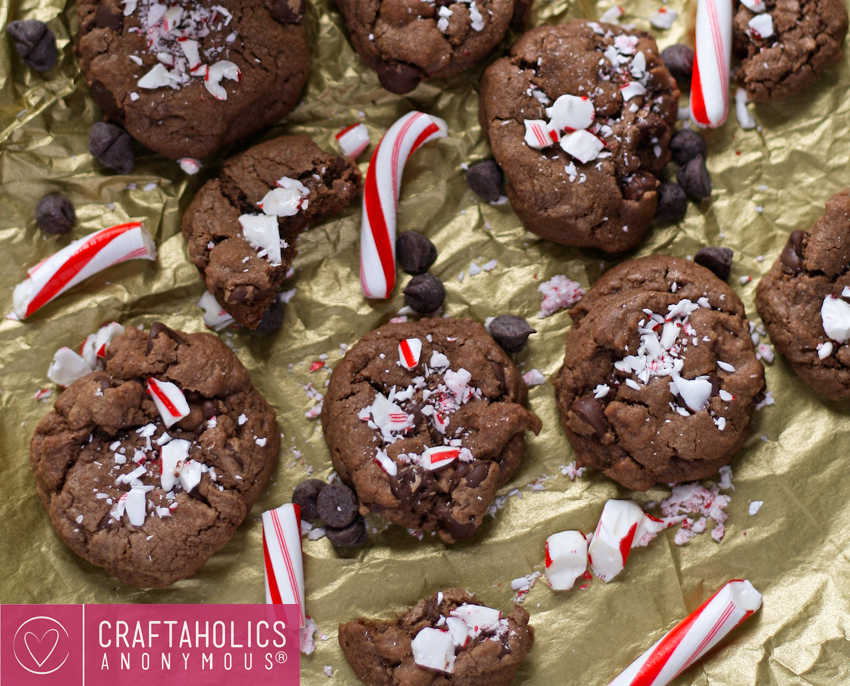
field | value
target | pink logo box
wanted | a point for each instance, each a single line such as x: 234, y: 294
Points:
x: 130, y: 645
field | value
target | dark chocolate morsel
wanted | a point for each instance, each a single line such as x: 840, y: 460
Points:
x: 411, y: 485
x: 105, y: 18
x: 695, y: 179
x: 112, y: 146
x: 272, y: 318
x: 639, y: 185
x: 54, y: 214
x: 590, y: 410
x: 414, y: 252
x: 34, y: 42
x: 425, y: 293
x: 686, y: 145
x: 105, y: 100
x: 337, y: 505
x: 718, y: 260
x: 499, y: 371
x: 158, y: 328
x: 399, y: 78
x: 305, y: 495
x: 458, y: 530
x: 510, y: 332
x: 350, y: 536
x: 486, y: 181
x: 473, y: 473
x: 287, y: 11
x: 792, y: 253
x: 209, y: 409
x: 679, y: 59
x: 672, y: 202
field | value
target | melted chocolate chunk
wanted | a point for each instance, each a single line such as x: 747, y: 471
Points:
x: 591, y: 411
x: 158, y: 328
x: 792, y: 253
x: 639, y: 185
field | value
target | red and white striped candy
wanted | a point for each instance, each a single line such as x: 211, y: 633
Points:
x: 566, y: 559
x: 96, y: 344
x: 80, y: 260
x: 215, y: 316
x: 67, y: 367
x: 283, y: 561
x: 434, y: 458
x: 380, y: 199
x: 353, y: 140
x: 612, y: 540
x: 540, y: 134
x: 710, y: 82
x: 693, y: 637
x: 409, y: 351
x: 169, y: 400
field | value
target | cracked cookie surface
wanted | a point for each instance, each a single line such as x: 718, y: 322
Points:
x: 386, y: 425
x: 811, y: 270
x: 200, y: 104
x: 380, y: 652
x: 806, y: 37
x: 243, y: 282
x: 608, y: 202
x: 105, y: 437
x: 660, y: 379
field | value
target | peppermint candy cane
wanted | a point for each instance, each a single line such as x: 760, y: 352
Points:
x: 282, y: 553
x: 380, y: 199
x: 80, y: 260
x: 693, y: 637
x: 710, y: 82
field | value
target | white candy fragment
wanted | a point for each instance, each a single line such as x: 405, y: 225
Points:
x: 475, y: 16
x: 434, y: 649
x: 96, y: 344
x: 458, y: 631
x: 169, y: 400
x: 67, y: 367
x: 386, y: 463
x: 582, y: 145
x: 612, y: 14
x: 155, y: 13
x: 566, y: 559
x: 534, y: 378
x: 217, y: 72
x: 663, y: 18
x: 761, y: 26
x: 190, y: 474
x: 134, y: 506
x: 170, y: 21
x: 157, y: 77
x: 478, y: 619
x: 287, y: 199
x: 612, y: 540
x: 435, y: 458
x: 129, y: 6
x: 825, y: 350
x: 631, y: 90
x: 638, y: 66
x: 262, y: 231
x: 754, y: 5
x: 190, y: 165
x: 174, y: 455
x: 389, y: 417
x: 215, y: 316
x: 745, y: 117
x: 571, y: 113
x: 539, y: 134
x: 438, y: 360
x: 835, y: 315
x: 409, y: 351
x: 353, y: 140
x: 694, y: 392
x: 755, y: 506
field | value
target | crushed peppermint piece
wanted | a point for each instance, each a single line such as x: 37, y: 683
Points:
x: 663, y: 18
x: 558, y: 293
x: 534, y: 378
x: 755, y: 506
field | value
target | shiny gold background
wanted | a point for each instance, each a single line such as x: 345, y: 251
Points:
x: 795, y: 550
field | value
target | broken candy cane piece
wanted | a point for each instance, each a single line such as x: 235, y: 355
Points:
x: 540, y: 134
x: 570, y: 113
x: 612, y: 540
x: 262, y: 230
x: 96, y: 344
x: 215, y: 316
x: 409, y: 351
x: 190, y: 49
x: 693, y: 637
x: 169, y: 400
x: 217, y: 72
x: 631, y: 89
x: 436, y: 458
x: 174, y: 455
x: 67, y: 367
x: 190, y: 165
x: 582, y: 145
x: 458, y: 631
x: 663, y: 18
x: 710, y: 81
x: 761, y: 26
x: 287, y: 199
x: 353, y: 140
x: 566, y: 559
x: 612, y: 14
x: 157, y: 77
x: 284, y: 565
x: 478, y: 619
x: 80, y: 260
x: 434, y: 649
x: 835, y: 315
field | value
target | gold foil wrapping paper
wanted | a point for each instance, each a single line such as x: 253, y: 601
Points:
x: 767, y: 181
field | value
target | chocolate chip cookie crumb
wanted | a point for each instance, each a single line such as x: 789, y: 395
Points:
x: 112, y: 147
x: 55, y: 214
x: 485, y: 179
x: 510, y: 331
x: 415, y: 253
x: 34, y: 42
x: 337, y: 505
x: 679, y: 59
x: 672, y: 202
x: 718, y: 260
x: 694, y: 178
x: 425, y: 293
x: 687, y: 144
x: 305, y: 495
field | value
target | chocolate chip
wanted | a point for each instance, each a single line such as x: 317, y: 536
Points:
x: 34, y: 42
x: 590, y: 410
x: 305, y: 495
x: 337, y: 505
x: 679, y: 59
x: 510, y: 332
x: 107, y: 17
x: 287, y: 11
x: 792, y: 253
x: 239, y: 293
x: 411, y: 485
x: 54, y: 214
x: 695, y: 179
x: 105, y: 100
x: 425, y: 293
x: 158, y: 328
x: 272, y: 318
x: 473, y: 473
x: 639, y: 185
x: 209, y: 409
x: 112, y: 146
x: 499, y: 371
x: 718, y: 260
x: 350, y: 536
x: 399, y: 78
x: 414, y: 252
x: 672, y: 202
x: 486, y: 181
x: 686, y: 145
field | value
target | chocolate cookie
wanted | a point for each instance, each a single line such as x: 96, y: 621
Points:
x: 406, y: 41
x: 147, y: 501
x: 785, y: 44
x: 426, y: 421
x: 579, y: 117
x: 188, y: 79
x: 660, y: 379
x: 241, y: 227
x: 462, y: 643
x: 803, y: 300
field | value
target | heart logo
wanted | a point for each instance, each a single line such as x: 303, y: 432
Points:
x: 41, y: 646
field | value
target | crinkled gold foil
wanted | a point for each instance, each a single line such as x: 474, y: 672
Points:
x: 767, y: 182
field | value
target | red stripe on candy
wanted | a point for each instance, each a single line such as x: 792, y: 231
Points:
x: 163, y: 398
x: 408, y: 353
x: 697, y: 98
x: 346, y: 130
x: 378, y: 224
x: 290, y: 569
x: 626, y: 543
x: 727, y: 612
x: 274, y: 592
